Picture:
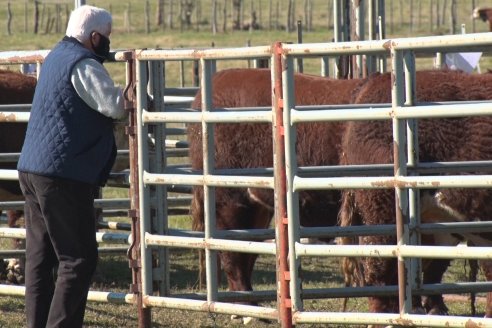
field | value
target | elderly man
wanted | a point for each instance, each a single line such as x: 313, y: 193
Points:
x: 67, y: 154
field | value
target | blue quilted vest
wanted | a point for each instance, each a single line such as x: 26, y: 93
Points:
x: 65, y: 137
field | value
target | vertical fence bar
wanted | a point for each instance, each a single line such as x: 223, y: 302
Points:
x: 414, y: 264
x: 381, y: 15
x: 291, y: 169
x: 284, y: 301
x: 371, y: 32
x: 357, y: 34
x: 144, y: 197
x: 382, y: 58
x: 130, y: 105
x: 208, y: 168
x: 300, y: 64
x: 79, y: 3
x: 159, y: 215
x: 135, y: 250
x: 182, y: 80
x: 401, y: 194
x: 337, y: 33
x: 439, y: 60
x: 325, y: 66
x: 143, y: 162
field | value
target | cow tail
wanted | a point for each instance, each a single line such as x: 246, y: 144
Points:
x: 351, y: 266
x: 198, y: 224
x: 472, y: 277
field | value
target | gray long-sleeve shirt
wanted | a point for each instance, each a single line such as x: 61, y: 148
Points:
x: 93, y: 84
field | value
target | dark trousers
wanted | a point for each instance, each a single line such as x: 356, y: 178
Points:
x: 60, y: 235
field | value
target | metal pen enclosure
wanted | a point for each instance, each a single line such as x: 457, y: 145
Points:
x: 402, y: 52
x: 152, y: 173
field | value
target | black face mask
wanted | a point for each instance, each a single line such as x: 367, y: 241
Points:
x: 102, y: 49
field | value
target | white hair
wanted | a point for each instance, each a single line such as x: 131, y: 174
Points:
x: 87, y: 19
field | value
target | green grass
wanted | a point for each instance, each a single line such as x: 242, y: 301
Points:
x: 398, y: 25
x: 316, y: 272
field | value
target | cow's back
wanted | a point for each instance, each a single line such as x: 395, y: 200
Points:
x: 15, y: 88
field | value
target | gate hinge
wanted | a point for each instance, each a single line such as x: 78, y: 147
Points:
x: 280, y: 103
x: 133, y: 213
x: 128, y: 105
x: 281, y: 130
x: 134, y: 288
x: 130, y: 130
x: 134, y: 264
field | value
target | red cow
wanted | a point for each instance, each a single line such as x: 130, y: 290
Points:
x: 449, y: 139
x: 485, y: 14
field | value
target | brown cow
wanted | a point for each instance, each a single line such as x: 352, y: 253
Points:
x: 448, y: 139
x: 485, y: 14
x: 249, y: 145
x: 15, y: 88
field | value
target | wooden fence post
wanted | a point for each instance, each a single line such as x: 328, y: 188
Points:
x: 9, y: 19
x: 36, y: 17
x: 147, y: 16
x: 224, y: 16
x: 260, y: 14
x: 277, y: 21
x: 453, y: 17
x: 25, y: 17
x: 159, y: 13
x: 289, y: 16
x: 170, y: 14
x: 213, y: 21
x: 127, y: 18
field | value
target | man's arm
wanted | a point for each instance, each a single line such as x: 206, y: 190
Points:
x: 94, y: 85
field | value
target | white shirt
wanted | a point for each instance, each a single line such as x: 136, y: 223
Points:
x: 93, y: 84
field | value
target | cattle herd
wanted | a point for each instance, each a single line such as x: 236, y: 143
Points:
x: 249, y: 145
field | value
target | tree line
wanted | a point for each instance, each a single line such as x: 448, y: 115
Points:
x: 220, y: 16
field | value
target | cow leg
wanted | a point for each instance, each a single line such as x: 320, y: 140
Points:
x: 16, y: 267
x: 387, y: 275
x: 235, y: 209
x: 197, y: 216
x: 374, y: 208
x: 14, y: 221
x: 377, y: 207
x: 433, y: 272
x: 238, y: 267
x: 3, y: 265
x: 382, y: 272
x: 241, y: 211
x: 487, y: 270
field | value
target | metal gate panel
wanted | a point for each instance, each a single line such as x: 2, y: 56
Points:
x: 399, y: 112
x: 211, y: 241
x: 403, y: 60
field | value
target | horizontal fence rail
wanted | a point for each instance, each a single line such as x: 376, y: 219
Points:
x: 424, y: 182
x: 375, y: 112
